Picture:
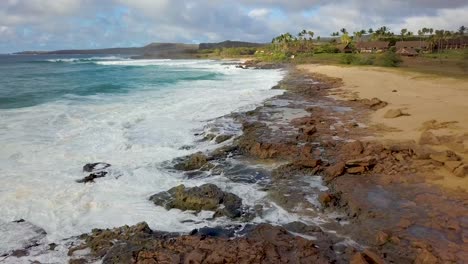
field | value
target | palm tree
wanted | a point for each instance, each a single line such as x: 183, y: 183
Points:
x: 311, y: 35
x: 403, y: 32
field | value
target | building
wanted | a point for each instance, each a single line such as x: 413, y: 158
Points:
x: 345, y: 48
x: 410, y: 52
x: 411, y: 48
x: 416, y: 45
x: 373, y: 46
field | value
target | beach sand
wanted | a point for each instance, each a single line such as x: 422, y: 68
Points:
x: 429, y: 103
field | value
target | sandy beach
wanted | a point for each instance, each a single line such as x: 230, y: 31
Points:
x: 427, y: 103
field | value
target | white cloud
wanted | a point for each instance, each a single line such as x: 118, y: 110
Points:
x: 259, y: 13
x: 109, y: 23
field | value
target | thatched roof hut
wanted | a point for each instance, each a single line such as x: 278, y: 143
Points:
x: 412, y: 45
x: 410, y: 52
x: 373, y: 46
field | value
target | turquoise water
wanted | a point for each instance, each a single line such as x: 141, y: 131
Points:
x: 32, y: 80
x: 59, y: 113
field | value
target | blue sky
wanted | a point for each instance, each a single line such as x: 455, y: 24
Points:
x: 82, y: 24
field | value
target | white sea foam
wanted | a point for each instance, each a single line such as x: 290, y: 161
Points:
x: 103, y: 58
x: 44, y: 148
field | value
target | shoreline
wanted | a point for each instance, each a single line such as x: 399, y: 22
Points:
x: 374, y: 199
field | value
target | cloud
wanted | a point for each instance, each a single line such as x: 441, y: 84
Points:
x: 56, y: 24
x: 259, y: 13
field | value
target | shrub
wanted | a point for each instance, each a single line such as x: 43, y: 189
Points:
x: 388, y: 59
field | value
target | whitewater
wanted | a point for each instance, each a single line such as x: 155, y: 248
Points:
x: 61, y: 113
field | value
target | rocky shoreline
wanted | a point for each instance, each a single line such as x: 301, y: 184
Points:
x: 319, y: 161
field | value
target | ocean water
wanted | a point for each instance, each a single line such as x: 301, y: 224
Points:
x: 59, y: 113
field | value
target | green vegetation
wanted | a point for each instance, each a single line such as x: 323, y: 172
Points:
x: 437, y: 55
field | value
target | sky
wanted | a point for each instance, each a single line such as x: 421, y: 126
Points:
x: 86, y: 24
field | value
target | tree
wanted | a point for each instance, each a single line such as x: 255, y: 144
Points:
x: 311, y: 35
x: 345, y: 39
x: 462, y: 30
x: 403, y: 33
x: 343, y: 30
x: 370, y: 30
x: 357, y: 35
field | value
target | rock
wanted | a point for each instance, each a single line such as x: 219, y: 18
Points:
x: 308, y: 131
x: 205, y: 197
x: 353, y: 148
x: 368, y: 161
x: 356, y: 170
x: 461, y: 171
x: 301, y: 228
x: 425, y: 257
x: 93, y: 167
x: 18, y: 236
x: 261, y: 244
x: 381, y: 238
x: 358, y: 258
x: 394, y: 113
x: 326, y: 198
x: 372, y: 257
x: 307, y: 163
x: 209, y: 137
x: 428, y: 138
x: 445, y: 156
x: 221, y: 138
x: 373, y: 103
x: 334, y: 171
x: 92, y: 177
x: 192, y: 162
x: 452, y: 165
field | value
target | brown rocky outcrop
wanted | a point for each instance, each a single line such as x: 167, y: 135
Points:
x: 139, y: 244
x: 205, y: 197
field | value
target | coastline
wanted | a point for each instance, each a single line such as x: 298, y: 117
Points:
x: 371, y: 200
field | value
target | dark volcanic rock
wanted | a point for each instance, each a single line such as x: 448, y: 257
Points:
x: 92, y: 176
x: 98, y: 166
x: 205, y: 197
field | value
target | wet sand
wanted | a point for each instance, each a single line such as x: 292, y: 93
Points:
x: 428, y: 103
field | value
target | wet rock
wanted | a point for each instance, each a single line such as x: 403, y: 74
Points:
x: 18, y: 237
x: 334, y: 171
x: 193, y: 162
x: 301, y: 228
x: 262, y: 244
x: 209, y: 137
x: 326, y: 199
x: 205, y: 197
x: 221, y: 138
x: 92, y: 177
x: 93, y: 167
x: 368, y: 161
x: 394, y: 113
x: 428, y: 138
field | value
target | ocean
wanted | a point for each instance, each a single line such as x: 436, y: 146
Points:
x: 58, y: 113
